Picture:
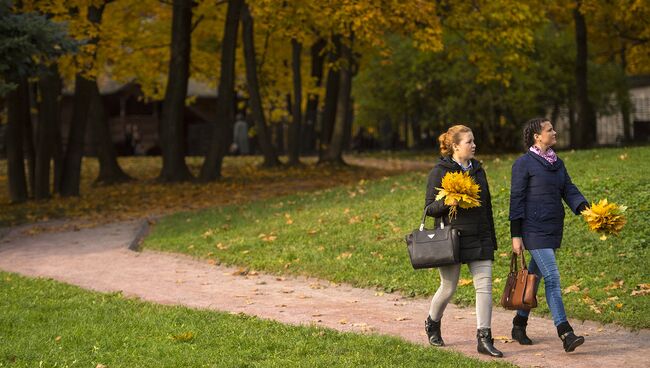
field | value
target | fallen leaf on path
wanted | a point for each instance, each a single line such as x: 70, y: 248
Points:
x: 343, y: 321
x: 399, y: 319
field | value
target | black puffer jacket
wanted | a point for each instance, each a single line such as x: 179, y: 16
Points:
x: 476, y: 225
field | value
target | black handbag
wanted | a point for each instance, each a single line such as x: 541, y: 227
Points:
x: 433, y: 248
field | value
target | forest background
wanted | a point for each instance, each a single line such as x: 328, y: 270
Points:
x: 337, y: 73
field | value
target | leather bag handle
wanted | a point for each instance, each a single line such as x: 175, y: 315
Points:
x: 424, y: 217
x: 513, y: 262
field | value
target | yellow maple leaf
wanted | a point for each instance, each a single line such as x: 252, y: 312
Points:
x: 606, y: 218
x: 458, y: 190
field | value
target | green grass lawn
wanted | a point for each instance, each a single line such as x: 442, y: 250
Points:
x: 354, y: 234
x: 48, y: 324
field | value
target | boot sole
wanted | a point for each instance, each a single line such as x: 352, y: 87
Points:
x: 579, y: 341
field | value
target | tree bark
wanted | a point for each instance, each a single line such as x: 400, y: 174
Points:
x: 624, y: 102
x: 71, y: 169
x: 110, y: 171
x: 311, y: 113
x: 29, y: 149
x: 18, y: 117
x: 171, y: 126
x: 335, y: 149
x: 263, y: 134
x: 586, y: 122
x: 211, y: 169
x: 49, y: 86
x: 71, y: 175
x: 331, y: 100
x: 296, y: 108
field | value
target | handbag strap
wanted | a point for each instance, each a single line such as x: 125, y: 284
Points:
x: 513, y: 262
x: 424, y: 217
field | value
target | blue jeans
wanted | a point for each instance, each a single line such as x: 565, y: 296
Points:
x: 544, y: 266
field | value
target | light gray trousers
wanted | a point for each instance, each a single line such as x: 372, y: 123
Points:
x: 482, y: 278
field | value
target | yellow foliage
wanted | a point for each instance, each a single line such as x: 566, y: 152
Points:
x: 605, y: 217
x: 459, y: 189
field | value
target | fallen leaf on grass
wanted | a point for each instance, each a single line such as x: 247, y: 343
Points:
x: 614, y: 285
x: 595, y: 309
x: 465, y: 282
x: 221, y: 246
x: 642, y: 289
x: 344, y: 255
x: 183, y: 337
x: 571, y: 289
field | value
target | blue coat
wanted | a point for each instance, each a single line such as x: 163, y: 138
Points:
x: 536, y: 192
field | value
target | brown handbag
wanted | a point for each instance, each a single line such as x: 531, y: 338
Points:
x: 521, y: 286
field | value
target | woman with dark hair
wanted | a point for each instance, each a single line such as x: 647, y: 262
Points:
x: 477, y: 238
x: 539, y: 183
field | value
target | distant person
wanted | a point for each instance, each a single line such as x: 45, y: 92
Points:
x: 539, y: 183
x: 477, y: 238
x: 240, y: 136
x: 136, y: 141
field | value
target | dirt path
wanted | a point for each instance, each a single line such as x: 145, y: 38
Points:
x: 99, y: 259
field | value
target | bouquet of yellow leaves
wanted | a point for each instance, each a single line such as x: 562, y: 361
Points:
x: 605, y: 217
x: 459, y: 189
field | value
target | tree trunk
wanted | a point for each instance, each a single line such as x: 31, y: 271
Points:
x: 29, y: 149
x: 71, y: 168
x: 416, y: 132
x: 296, y: 110
x: 172, y: 135
x: 263, y: 136
x: 331, y: 99
x: 349, y: 118
x: 18, y: 118
x: 335, y: 149
x: 71, y: 175
x: 49, y: 86
x: 311, y: 113
x: 109, y: 169
x: 624, y: 102
x: 586, y: 123
x: 226, y: 96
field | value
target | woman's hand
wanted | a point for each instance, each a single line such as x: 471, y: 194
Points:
x: 517, y: 245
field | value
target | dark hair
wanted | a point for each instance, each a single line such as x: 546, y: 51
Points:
x: 532, y: 127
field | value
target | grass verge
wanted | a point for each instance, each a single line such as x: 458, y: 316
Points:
x: 48, y: 324
x: 354, y: 234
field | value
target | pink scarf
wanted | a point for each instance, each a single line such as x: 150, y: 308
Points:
x: 549, y: 156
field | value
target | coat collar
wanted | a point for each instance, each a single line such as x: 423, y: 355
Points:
x: 448, y: 163
x: 547, y: 165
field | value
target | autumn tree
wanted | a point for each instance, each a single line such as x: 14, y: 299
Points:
x: 211, y: 168
x: 252, y: 83
x: 171, y: 125
x: 28, y: 42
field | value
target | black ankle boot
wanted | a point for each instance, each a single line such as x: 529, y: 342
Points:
x: 486, y: 343
x: 519, y: 324
x: 433, y: 332
x: 569, y: 340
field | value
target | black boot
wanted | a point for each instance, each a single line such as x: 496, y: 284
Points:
x: 519, y: 324
x: 486, y: 343
x: 569, y: 340
x: 433, y: 332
